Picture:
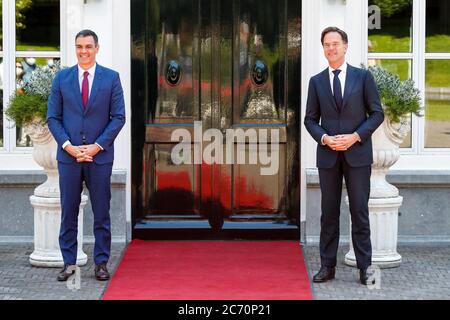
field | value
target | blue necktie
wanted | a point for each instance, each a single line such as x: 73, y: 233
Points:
x: 337, y: 89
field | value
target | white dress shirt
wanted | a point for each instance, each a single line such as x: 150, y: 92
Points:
x: 342, y: 76
x: 90, y: 77
x: 80, y: 79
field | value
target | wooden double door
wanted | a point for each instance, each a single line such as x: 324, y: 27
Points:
x: 216, y: 118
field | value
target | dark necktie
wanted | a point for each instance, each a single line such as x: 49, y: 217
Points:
x: 337, y: 89
x: 85, y: 89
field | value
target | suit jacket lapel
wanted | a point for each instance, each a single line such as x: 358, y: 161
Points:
x: 327, y: 86
x: 350, y: 82
x: 76, y: 86
x: 95, y: 87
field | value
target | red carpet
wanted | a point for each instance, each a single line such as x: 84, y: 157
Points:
x: 210, y: 270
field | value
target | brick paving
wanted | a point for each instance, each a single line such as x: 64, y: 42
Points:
x: 21, y: 281
x: 423, y: 275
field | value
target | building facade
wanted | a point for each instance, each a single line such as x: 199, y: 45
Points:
x: 204, y: 70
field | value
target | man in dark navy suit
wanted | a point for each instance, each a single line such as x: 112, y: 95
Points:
x: 86, y: 112
x: 342, y: 112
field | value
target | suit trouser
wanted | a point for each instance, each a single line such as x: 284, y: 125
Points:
x: 357, y: 181
x: 98, y: 181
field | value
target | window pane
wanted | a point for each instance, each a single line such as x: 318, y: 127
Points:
x: 37, y: 25
x: 437, y: 104
x: 438, y: 26
x: 403, y: 69
x: 395, y: 30
x: 24, y: 69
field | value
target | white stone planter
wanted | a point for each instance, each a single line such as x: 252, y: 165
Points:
x: 47, y: 205
x: 384, y: 199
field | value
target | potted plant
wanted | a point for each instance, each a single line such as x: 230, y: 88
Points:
x: 399, y: 100
x: 28, y: 109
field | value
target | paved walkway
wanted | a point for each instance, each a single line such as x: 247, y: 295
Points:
x: 424, y: 274
x: 20, y: 281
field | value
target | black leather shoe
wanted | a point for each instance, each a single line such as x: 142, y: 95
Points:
x: 66, y: 272
x: 364, y: 277
x: 324, y: 274
x: 101, y: 273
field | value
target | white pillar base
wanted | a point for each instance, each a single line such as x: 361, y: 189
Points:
x: 383, y: 216
x: 384, y: 261
x: 47, y: 222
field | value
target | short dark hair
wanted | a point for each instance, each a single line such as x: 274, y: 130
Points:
x: 334, y: 29
x: 87, y: 33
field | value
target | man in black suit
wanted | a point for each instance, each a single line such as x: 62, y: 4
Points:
x: 343, y: 110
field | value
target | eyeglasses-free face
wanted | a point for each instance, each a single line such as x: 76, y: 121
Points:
x: 334, y: 49
x: 86, y: 51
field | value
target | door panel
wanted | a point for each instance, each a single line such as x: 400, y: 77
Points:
x: 225, y: 65
x: 259, y: 54
x: 176, y: 49
x: 258, y: 59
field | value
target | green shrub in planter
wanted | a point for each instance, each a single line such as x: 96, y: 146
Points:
x: 399, y: 98
x: 29, y: 104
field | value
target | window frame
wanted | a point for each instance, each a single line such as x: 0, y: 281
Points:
x: 9, y: 55
x: 418, y: 58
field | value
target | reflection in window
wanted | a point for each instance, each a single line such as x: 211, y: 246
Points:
x: 438, y: 26
x: 437, y: 104
x: 403, y: 69
x: 37, y: 25
x: 395, y: 34
x: 24, y: 69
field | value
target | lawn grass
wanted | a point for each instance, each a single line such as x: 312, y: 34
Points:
x: 34, y: 47
x: 402, y: 68
x: 437, y: 110
x: 437, y: 71
x: 389, y: 43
